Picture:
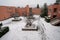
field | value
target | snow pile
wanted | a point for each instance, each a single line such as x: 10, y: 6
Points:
x: 52, y: 32
x: 16, y: 33
x: 7, y: 21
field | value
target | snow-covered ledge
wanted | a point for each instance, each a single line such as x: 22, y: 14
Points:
x: 7, y: 21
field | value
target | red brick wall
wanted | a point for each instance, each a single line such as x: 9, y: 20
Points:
x: 20, y: 11
x: 3, y: 13
x: 36, y: 11
x: 58, y: 15
x: 51, y: 10
x: 25, y: 10
x: 11, y: 10
x: 6, y: 12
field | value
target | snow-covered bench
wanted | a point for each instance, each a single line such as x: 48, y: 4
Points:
x: 54, y: 22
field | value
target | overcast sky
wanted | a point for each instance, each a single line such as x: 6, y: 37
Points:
x: 23, y: 3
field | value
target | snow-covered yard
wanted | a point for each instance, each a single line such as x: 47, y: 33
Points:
x: 46, y: 30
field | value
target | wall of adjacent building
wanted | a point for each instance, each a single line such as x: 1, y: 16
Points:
x: 9, y: 11
x: 51, y: 10
x: 36, y: 11
x: 6, y: 12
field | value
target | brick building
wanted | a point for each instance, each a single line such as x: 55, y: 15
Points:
x: 54, y: 10
x: 22, y: 11
x: 26, y: 10
x: 9, y: 11
x: 6, y: 12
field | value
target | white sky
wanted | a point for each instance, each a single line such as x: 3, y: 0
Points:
x: 22, y: 3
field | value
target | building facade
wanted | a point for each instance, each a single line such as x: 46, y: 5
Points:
x: 54, y: 11
x: 9, y: 11
x: 6, y: 12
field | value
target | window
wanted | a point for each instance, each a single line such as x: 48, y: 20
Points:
x: 55, y: 9
x: 54, y: 16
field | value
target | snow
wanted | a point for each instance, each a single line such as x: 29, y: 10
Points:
x: 52, y: 32
x: 6, y: 21
x: 46, y: 30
